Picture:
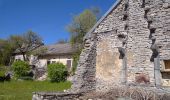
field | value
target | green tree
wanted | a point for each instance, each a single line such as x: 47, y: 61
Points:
x: 78, y: 28
x: 80, y: 25
x: 21, y: 43
x: 2, y: 45
x: 6, y: 50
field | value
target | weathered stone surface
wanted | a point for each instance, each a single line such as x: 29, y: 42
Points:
x: 127, y: 46
x: 56, y: 96
x: 141, y: 28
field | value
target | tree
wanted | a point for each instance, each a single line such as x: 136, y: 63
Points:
x: 26, y: 43
x: 2, y: 44
x: 20, y: 43
x: 6, y: 50
x: 79, y: 26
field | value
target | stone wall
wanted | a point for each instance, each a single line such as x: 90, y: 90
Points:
x: 84, y: 80
x: 127, y: 46
x: 159, y: 18
x: 56, y: 96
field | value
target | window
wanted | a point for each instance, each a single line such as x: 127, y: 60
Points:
x: 68, y: 64
x: 18, y: 59
x: 48, y: 62
x: 165, y: 73
x: 53, y: 61
x: 167, y: 64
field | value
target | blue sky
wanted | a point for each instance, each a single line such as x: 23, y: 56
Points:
x: 48, y: 18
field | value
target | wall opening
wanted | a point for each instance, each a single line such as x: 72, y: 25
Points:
x: 167, y: 64
x: 166, y: 73
x: 68, y: 64
x: 143, y: 4
x: 126, y: 7
x: 125, y: 17
x: 48, y: 62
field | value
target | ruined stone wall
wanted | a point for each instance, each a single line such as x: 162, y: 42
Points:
x: 126, y: 46
x: 139, y: 44
x: 108, y: 61
x: 108, y: 64
x: 84, y: 79
x: 158, y: 16
x: 55, y: 96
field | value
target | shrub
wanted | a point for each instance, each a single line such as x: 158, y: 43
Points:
x: 76, y: 57
x: 2, y: 71
x: 57, y: 72
x: 3, y: 75
x: 20, y: 68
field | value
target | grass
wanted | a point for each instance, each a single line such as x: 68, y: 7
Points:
x: 22, y: 90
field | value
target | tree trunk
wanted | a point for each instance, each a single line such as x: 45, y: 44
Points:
x: 24, y: 56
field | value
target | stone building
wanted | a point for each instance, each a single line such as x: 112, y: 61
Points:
x: 129, y: 45
x: 49, y: 54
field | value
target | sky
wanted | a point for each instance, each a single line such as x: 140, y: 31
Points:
x: 48, y: 18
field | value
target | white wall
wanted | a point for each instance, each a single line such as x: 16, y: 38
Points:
x: 19, y: 57
x: 42, y: 62
x: 52, y: 59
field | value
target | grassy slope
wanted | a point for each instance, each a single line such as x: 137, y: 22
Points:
x: 22, y: 90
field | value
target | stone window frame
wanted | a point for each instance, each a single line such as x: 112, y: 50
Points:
x: 163, y: 69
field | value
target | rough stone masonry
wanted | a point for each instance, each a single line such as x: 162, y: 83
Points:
x: 130, y: 45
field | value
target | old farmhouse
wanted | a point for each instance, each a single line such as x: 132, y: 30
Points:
x: 49, y: 54
x: 129, y: 45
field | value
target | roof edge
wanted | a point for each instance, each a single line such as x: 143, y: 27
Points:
x: 114, y: 6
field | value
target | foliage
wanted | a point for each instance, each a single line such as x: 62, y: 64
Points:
x: 22, y: 90
x: 23, y: 43
x: 26, y: 78
x: 80, y: 25
x: 78, y: 28
x: 3, y: 70
x: 6, y: 50
x: 4, y: 76
x: 75, y: 61
x: 57, y: 72
x: 20, y: 68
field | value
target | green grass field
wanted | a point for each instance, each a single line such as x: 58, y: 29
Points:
x: 22, y: 90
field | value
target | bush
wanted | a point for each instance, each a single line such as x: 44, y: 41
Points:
x: 20, y: 68
x: 57, y: 72
x: 76, y: 57
x: 3, y: 70
x: 3, y: 75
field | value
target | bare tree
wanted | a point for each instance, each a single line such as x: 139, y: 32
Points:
x: 26, y: 43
